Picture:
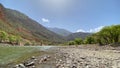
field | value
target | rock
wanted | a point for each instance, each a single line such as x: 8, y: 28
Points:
x: 21, y: 66
x: 16, y: 66
x: 45, y: 58
x: 58, y: 65
x: 33, y: 57
x: 74, y: 67
x: 60, y: 60
x: 48, y: 56
x: 82, y: 57
x: 33, y: 66
x: 30, y: 64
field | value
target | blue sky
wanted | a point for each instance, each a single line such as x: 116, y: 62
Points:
x: 73, y: 15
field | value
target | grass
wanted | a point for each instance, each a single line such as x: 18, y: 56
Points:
x: 17, y: 54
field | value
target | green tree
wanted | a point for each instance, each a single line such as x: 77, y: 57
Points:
x: 18, y: 39
x: 12, y: 39
x: 78, y: 41
x: 71, y: 43
x: 3, y: 36
x: 115, y: 33
x: 89, y: 40
x: 108, y: 35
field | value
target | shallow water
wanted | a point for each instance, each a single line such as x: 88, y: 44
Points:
x: 21, y: 49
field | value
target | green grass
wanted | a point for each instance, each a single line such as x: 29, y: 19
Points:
x: 17, y: 54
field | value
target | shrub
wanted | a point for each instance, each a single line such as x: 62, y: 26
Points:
x: 3, y: 36
x: 71, y: 43
x: 78, y: 41
x: 89, y: 40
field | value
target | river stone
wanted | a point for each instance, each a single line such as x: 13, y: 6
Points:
x: 30, y: 64
x: 33, y: 57
x: 21, y: 66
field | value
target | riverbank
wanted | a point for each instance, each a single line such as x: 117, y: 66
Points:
x: 11, y: 55
x: 83, y: 56
x: 91, y: 56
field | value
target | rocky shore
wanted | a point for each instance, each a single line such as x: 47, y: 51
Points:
x: 76, y: 57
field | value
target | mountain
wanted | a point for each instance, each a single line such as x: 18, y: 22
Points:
x: 61, y: 32
x: 17, y: 23
x: 77, y: 35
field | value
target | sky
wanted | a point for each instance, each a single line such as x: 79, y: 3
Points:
x: 72, y: 15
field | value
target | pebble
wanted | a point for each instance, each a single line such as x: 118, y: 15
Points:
x: 30, y: 64
x: 20, y: 66
x: 33, y: 57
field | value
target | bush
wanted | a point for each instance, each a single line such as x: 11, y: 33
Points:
x: 71, y: 43
x: 27, y: 43
x: 3, y: 36
x: 78, y: 41
x: 108, y: 35
x: 12, y: 39
x: 89, y: 40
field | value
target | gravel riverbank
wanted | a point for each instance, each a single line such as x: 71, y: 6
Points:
x: 76, y: 57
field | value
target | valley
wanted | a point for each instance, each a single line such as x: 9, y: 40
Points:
x: 59, y: 34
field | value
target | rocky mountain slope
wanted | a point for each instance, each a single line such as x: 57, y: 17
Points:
x: 17, y: 23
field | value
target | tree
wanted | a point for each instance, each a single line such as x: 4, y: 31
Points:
x: 3, y: 36
x: 78, y: 41
x: 18, y: 40
x: 115, y: 33
x: 71, y: 43
x: 108, y: 35
x: 89, y: 40
x: 12, y: 39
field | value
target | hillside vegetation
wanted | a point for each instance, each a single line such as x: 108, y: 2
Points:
x: 16, y: 23
x: 108, y: 35
x: 81, y: 35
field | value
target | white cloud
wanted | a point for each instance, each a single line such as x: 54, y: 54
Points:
x: 91, y: 30
x: 96, y: 29
x: 80, y: 30
x: 45, y: 20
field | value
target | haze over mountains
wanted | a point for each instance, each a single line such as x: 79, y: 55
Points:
x: 60, y: 31
x: 17, y: 23
x: 69, y: 35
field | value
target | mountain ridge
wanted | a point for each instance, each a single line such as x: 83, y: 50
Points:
x: 15, y: 22
x: 60, y: 31
x: 81, y: 35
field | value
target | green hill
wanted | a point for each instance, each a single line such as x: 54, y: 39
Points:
x: 17, y: 23
x: 81, y: 35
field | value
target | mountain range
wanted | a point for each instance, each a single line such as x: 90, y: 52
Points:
x: 69, y: 35
x: 16, y: 23
x: 81, y: 35
x: 60, y: 31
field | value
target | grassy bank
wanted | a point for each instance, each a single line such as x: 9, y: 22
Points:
x: 17, y: 54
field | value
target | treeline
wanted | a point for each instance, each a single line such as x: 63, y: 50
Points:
x: 9, y: 38
x: 108, y: 35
